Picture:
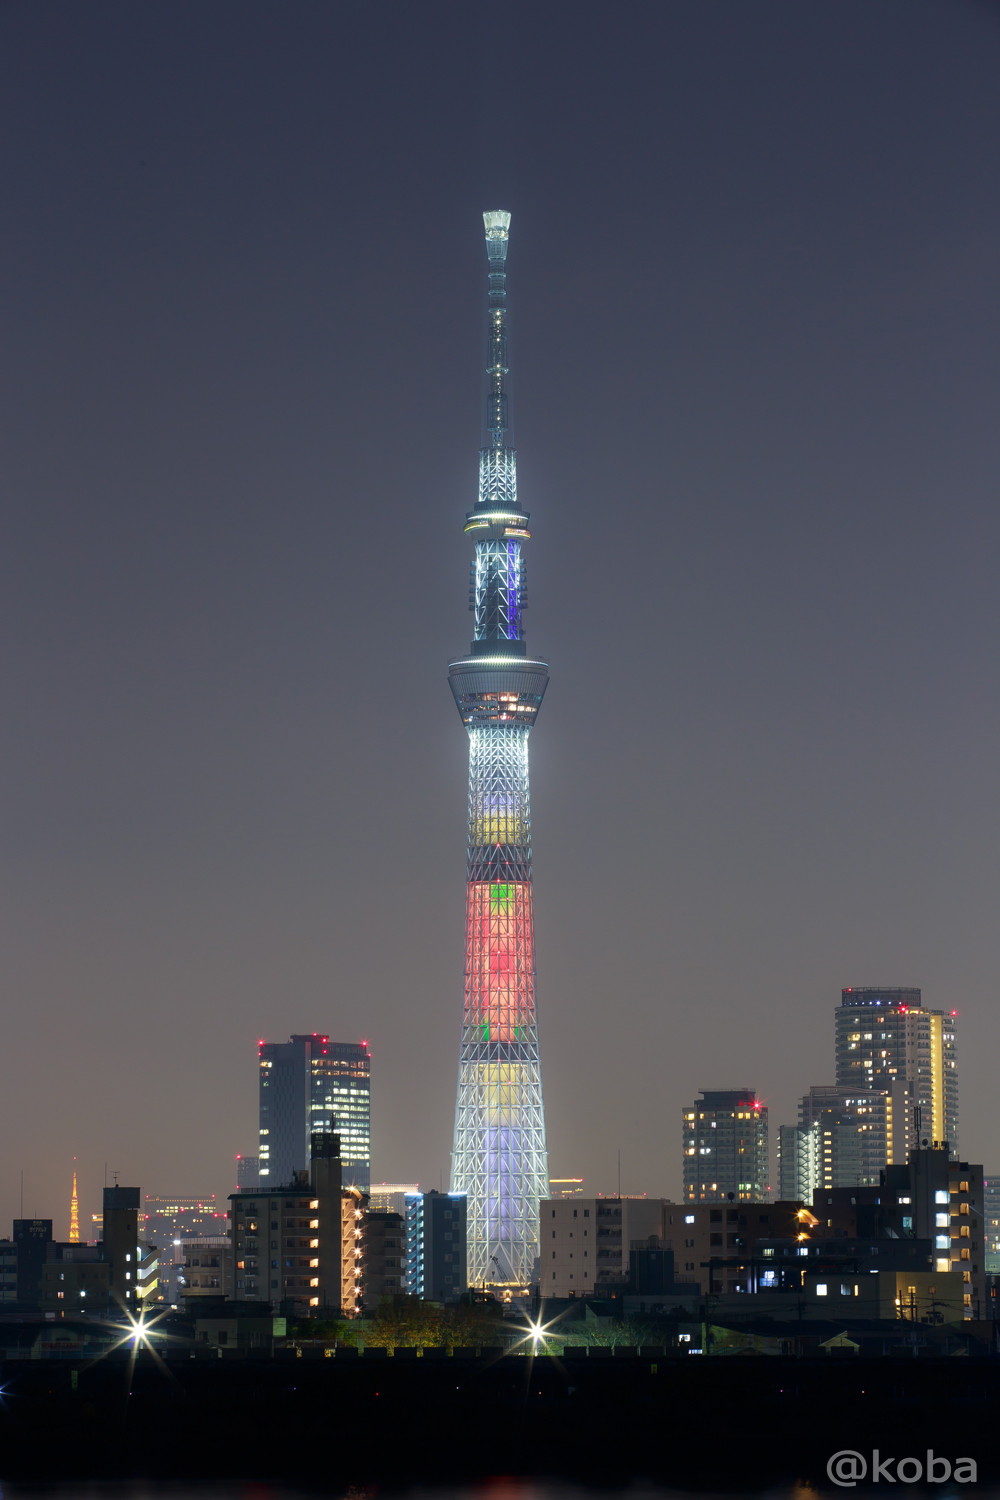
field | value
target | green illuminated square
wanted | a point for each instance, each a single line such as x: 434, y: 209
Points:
x: 501, y: 895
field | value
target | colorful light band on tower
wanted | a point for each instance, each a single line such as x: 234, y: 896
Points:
x: 499, y: 1159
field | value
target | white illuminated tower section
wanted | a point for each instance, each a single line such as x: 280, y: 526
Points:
x: 499, y: 1158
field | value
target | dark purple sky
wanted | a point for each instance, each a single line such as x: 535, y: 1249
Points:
x: 754, y: 277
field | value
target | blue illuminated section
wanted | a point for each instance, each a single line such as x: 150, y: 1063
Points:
x: 514, y: 592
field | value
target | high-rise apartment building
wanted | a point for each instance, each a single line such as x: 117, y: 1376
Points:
x: 310, y: 1085
x: 436, y: 1266
x: 991, y: 1225
x: 287, y: 1239
x: 887, y: 1041
x: 725, y: 1147
x: 499, y: 1158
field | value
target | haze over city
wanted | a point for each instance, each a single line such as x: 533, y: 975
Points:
x: 753, y: 285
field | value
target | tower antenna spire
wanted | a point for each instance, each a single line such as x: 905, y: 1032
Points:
x: 499, y: 1159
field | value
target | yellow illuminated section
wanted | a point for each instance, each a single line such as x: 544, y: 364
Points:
x: 498, y: 825
x: 502, y: 1085
x: 500, y: 968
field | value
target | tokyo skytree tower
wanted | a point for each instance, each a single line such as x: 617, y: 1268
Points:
x: 499, y: 1158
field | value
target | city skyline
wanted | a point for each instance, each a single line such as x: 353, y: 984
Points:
x: 755, y: 358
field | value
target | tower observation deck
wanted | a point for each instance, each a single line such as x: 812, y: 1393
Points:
x: 499, y: 1158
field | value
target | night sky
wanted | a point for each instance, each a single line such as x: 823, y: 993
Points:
x: 754, y: 276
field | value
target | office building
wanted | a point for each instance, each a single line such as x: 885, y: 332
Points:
x: 499, y: 1159
x: 310, y: 1085
x: 169, y: 1219
x: 887, y: 1041
x: 392, y: 1195
x: 725, y: 1147
x: 436, y: 1266
x: 247, y: 1172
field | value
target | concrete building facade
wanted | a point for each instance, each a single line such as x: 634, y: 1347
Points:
x: 286, y: 1240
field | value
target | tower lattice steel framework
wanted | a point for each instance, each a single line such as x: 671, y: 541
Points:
x: 499, y: 1158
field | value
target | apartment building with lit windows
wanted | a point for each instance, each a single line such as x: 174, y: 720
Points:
x: 586, y: 1241
x: 725, y: 1147
x: 287, y: 1240
x: 353, y: 1203
x: 888, y: 1042
x: 436, y: 1258
x: 931, y: 1198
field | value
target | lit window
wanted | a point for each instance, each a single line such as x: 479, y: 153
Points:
x: 821, y: 1289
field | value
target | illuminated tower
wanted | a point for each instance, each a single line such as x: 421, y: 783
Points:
x: 74, y: 1214
x: 499, y: 1159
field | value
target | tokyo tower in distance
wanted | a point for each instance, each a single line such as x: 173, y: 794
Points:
x: 499, y: 1159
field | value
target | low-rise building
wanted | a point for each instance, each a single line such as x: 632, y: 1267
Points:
x: 584, y: 1243
x: 207, y: 1266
